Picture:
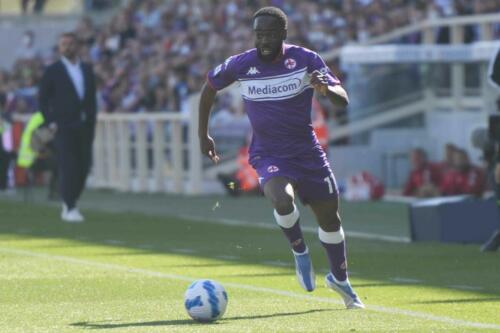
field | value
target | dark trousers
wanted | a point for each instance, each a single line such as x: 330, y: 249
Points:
x: 74, y: 157
x: 4, y: 166
x: 48, y: 163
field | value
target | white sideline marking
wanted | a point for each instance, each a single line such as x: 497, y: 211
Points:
x: 114, y: 242
x: 146, y: 247
x: 261, y: 225
x: 277, y: 263
x: 186, y: 251
x: 464, y: 287
x: 227, y: 257
x: 405, y: 280
x: 375, y: 308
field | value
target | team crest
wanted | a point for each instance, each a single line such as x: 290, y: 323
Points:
x: 272, y: 168
x: 290, y: 63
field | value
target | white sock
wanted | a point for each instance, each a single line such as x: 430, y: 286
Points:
x: 331, y: 237
x: 287, y: 221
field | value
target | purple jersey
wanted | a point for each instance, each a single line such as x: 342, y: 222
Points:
x: 277, y: 98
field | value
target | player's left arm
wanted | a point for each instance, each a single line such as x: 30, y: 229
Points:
x: 335, y: 93
x: 325, y: 82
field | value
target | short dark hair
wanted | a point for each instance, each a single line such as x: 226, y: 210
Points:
x: 274, y: 12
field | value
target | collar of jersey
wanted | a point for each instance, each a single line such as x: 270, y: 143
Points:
x: 280, y: 55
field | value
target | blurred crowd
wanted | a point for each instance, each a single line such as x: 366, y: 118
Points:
x: 454, y: 175
x: 152, y: 54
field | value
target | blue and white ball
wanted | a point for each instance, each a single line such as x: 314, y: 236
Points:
x: 205, y: 300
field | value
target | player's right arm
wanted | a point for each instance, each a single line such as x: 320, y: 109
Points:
x: 217, y: 79
x: 207, y: 144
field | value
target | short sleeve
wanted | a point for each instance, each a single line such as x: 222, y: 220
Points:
x: 223, y: 75
x: 317, y: 63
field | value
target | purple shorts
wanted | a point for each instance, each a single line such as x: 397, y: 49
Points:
x: 312, y: 183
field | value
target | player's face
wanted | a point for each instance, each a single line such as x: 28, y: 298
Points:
x: 269, y: 37
x: 68, y: 47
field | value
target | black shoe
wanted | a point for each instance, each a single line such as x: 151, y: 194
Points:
x: 493, y: 243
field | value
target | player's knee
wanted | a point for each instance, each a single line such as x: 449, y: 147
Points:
x: 330, y: 223
x: 283, y: 204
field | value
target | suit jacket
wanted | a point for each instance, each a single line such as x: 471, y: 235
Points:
x: 59, y: 101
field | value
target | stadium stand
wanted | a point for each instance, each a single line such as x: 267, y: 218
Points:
x: 150, y: 56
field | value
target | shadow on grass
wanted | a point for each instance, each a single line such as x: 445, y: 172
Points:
x: 110, y: 325
x: 144, y: 234
x: 461, y: 300
x: 254, y: 275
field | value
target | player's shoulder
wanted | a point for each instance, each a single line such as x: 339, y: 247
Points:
x: 293, y: 49
x: 242, y: 58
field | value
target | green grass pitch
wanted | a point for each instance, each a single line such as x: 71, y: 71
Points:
x: 125, y: 271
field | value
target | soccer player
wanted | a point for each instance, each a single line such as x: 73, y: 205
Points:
x: 277, y: 81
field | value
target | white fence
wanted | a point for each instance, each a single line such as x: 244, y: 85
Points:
x: 147, y: 152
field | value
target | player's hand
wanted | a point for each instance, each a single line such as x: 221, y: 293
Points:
x: 320, y: 82
x: 207, y: 146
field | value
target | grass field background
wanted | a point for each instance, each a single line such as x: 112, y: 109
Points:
x: 127, y: 267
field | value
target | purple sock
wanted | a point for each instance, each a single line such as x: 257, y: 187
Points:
x: 337, y: 259
x: 294, y: 236
x: 334, y: 245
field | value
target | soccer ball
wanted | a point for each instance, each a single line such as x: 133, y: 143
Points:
x: 205, y: 300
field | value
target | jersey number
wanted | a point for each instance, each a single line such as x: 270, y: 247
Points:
x: 329, y: 180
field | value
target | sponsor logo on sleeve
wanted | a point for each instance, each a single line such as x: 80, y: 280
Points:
x: 217, y: 70
x: 324, y: 70
x: 228, y: 60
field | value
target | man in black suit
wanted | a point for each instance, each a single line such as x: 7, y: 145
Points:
x: 67, y: 99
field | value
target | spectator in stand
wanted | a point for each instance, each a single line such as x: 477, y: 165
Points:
x: 37, y: 8
x: 465, y: 178
x: 449, y: 153
x: 424, y: 178
x: 27, y: 50
x: 181, y: 39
